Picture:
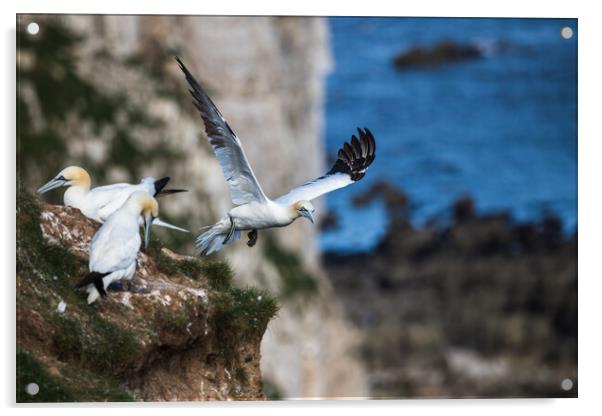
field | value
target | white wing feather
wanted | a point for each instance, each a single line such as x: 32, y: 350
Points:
x: 115, y: 245
x: 243, y: 184
x: 108, y: 199
x: 315, y: 188
x: 353, y: 160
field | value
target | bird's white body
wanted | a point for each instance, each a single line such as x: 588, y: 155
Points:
x: 262, y: 215
x: 116, y: 244
x: 100, y: 202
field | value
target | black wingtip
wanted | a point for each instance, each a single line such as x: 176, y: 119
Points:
x: 160, y: 184
x: 356, y: 156
x: 185, y: 70
x: 215, y: 124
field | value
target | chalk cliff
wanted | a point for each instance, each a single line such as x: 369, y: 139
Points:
x: 119, y: 106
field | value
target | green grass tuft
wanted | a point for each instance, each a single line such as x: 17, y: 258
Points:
x: 30, y: 370
x: 170, y: 321
x: 218, y: 273
x: 91, y: 387
x: 240, y: 315
x: 247, y: 311
x: 67, y: 339
x: 75, y: 384
x: 34, y: 254
x: 94, y: 343
x: 50, y: 267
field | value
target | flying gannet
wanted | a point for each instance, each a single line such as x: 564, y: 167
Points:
x: 116, y: 244
x: 254, y: 210
x: 100, y: 202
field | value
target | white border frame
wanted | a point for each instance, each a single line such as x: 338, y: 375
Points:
x: 590, y: 203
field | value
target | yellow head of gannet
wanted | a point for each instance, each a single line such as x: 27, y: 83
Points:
x: 305, y: 209
x: 70, y: 176
x: 147, y: 207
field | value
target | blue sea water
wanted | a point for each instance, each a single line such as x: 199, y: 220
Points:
x: 501, y: 128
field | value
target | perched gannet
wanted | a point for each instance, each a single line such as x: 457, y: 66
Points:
x: 116, y: 244
x: 100, y: 202
x: 254, y: 210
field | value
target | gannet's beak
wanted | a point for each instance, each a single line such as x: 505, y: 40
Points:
x: 167, y: 225
x: 148, y: 221
x: 307, y: 214
x: 54, y: 183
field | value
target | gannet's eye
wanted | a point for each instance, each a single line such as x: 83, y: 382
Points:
x: 62, y: 178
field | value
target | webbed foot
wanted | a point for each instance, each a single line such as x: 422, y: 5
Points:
x: 252, y: 238
x: 118, y: 286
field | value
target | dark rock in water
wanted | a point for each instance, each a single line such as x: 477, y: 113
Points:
x: 464, y: 209
x: 329, y: 221
x: 440, y: 54
x: 396, y: 202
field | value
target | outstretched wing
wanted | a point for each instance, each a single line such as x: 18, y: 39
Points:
x: 351, y: 165
x: 228, y: 150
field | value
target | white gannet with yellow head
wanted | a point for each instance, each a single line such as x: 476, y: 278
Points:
x: 100, y: 202
x: 254, y: 210
x: 115, y: 245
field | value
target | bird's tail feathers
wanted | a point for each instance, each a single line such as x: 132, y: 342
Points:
x: 212, y: 238
x: 164, y: 192
x: 160, y: 184
x: 95, y: 283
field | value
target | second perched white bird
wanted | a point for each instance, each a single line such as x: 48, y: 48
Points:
x: 115, y: 245
x: 100, y: 202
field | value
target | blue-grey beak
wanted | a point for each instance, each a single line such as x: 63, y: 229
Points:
x: 160, y: 223
x: 307, y: 214
x: 54, y: 183
x: 148, y: 221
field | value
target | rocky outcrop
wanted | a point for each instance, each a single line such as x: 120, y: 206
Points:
x: 182, y: 333
x: 440, y: 54
x: 480, y: 307
x: 111, y: 97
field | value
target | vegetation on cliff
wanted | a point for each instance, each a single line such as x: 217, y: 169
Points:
x: 186, y: 333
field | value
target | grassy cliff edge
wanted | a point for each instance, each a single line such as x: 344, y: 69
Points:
x: 186, y: 334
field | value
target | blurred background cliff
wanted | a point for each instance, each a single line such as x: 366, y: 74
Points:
x: 449, y: 271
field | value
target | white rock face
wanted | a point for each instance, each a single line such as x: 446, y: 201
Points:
x: 267, y: 76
